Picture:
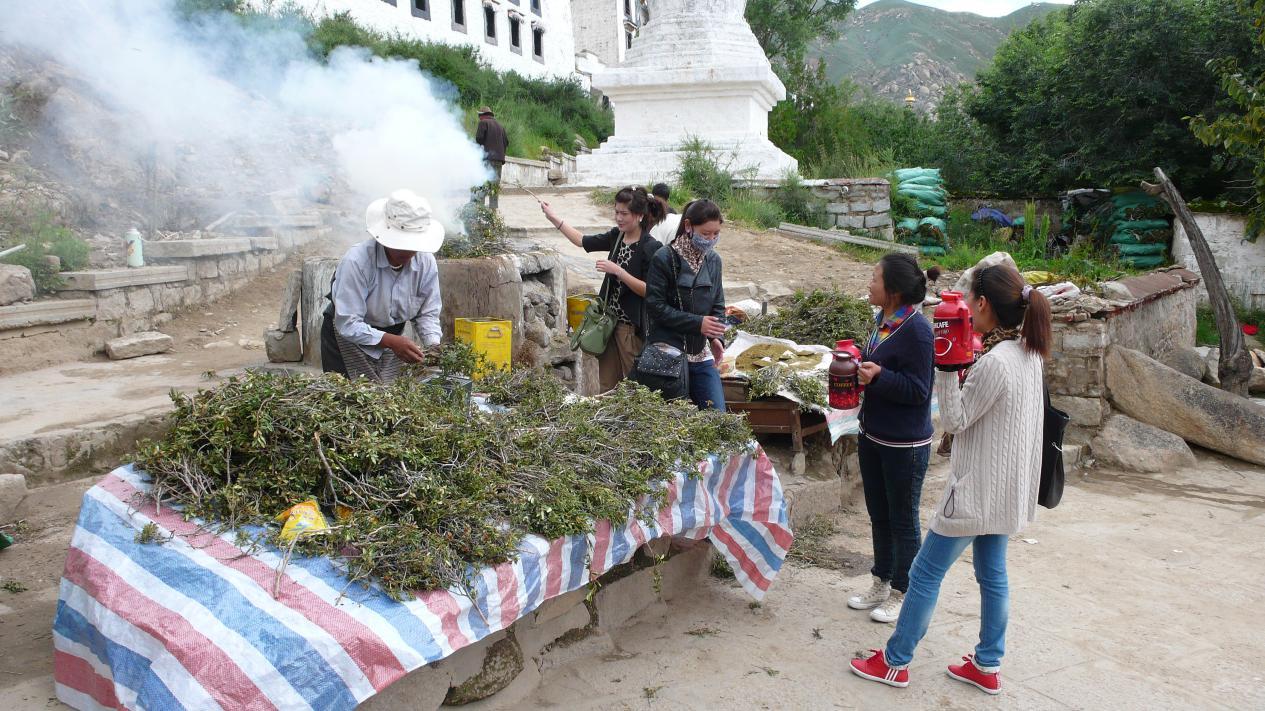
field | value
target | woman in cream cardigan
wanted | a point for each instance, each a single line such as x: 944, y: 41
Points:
x: 996, y: 419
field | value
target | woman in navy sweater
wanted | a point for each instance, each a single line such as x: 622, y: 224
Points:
x: 895, y: 440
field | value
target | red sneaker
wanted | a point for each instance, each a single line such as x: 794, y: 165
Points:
x: 989, y: 683
x: 875, y: 669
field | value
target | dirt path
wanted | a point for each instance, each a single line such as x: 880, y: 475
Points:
x: 1131, y: 578
x: 764, y: 260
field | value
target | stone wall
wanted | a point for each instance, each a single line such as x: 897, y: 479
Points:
x: 851, y: 203
x: 1160, y: 320
x: 1242, y: 263
x: 94, y: 306
x: 551, y: 169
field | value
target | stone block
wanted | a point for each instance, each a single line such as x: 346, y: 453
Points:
x: 12, y: 491
x: 194, y: 248
x: 111, y: 306
x: 879, y: 220
x: 1125, y: 443
x: 283, y: 346
x: 140, y: 301
x: 264, y: 243
x: 138, y: 344
x: 1083, y: 411
x: 837, y: 208
x: 317, y: 275
x: 807, y: 498
x: 230, y: 266
x: 207, y: 269
x: 883, y: 204
x: 16, y: 284
x: 48, y: 312
x: 422, y: 688
x: 535, y: 636
x: 1083, y: 341
x: 621, y: 599
x: 862, y: 205
x: 102, y: 279
x: 852, y: 221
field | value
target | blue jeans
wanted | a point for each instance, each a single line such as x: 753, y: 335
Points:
x: 891, y: 478
x: 933, y: 561
x: 705, y: 389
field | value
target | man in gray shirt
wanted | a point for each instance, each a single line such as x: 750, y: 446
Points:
x: 382, y: 284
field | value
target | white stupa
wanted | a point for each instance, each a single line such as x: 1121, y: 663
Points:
x: 696, y: 70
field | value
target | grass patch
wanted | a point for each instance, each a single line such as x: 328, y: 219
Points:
x: 971, y: 241
x: 44, y: 235
x: 809, y: 547
x: 720, y: 568
x: 1206, y: 333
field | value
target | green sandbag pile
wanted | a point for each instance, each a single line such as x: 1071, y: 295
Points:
x: 1139, y: 229
x: 926, y: 228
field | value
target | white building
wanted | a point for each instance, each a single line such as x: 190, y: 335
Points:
x: 531, y: 37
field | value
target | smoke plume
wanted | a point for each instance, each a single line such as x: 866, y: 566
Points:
x: 227, y: 112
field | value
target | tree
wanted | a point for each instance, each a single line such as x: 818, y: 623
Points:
x: 1241, y: 133
x: 786, y: 28
x: 1098, y: 94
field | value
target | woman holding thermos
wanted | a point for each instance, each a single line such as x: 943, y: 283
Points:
x: 686, y: 300
x: 995, y: 471
x: 895, y: 438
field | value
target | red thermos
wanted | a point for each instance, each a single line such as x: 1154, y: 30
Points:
x: 845, y: 386
x: 954, y: 344
x: 848, y: 346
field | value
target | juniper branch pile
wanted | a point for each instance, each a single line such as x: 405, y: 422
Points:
x: 435, y: 488
x: 819, y: 317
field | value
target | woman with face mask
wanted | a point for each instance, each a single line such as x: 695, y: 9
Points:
x: 686, y: 300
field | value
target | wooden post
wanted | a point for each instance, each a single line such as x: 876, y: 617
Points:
x: 1235, y: 364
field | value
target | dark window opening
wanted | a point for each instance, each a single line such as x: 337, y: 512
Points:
x: 516, y: 39
x: 628, y: 8
x: 535, y: 6
x: 389, y: 2
x: 538, y: 44
x: 489, y: 23
x: 421, y: 8
x: 628, y: 40
x: 459, y: 14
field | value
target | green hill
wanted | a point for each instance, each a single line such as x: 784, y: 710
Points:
x: 895, y: 47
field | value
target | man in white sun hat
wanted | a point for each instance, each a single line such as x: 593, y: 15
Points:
x: 380, y: 285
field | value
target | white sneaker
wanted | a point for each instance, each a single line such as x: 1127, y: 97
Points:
x: 871, y: 598
x: 889, y: 611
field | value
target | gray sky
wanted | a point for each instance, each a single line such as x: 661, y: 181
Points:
x: 991, y: 8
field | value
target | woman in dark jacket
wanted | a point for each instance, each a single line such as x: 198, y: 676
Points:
x: 686, y: 300
x: 895, y: 440
x: 629, y: 248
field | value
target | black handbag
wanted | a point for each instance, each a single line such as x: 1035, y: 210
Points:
x: 1050, y: 490
x: 663, y: 367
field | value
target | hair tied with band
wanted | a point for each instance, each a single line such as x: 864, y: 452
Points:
x: 1027, y: 292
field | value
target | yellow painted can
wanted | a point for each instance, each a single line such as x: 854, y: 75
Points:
x: 576, y: 306
x: 492, y: 338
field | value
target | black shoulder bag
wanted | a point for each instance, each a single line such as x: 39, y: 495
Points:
x: 663, y: 367
x: 1050, y: 491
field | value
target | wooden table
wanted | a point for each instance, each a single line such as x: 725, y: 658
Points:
x: 775, y: 415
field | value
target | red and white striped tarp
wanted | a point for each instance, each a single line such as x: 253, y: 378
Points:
x: 193, y: 624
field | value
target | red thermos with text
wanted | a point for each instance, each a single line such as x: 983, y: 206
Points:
x: 954, y: 344
x: 848, y: 346
x: 845, y: 386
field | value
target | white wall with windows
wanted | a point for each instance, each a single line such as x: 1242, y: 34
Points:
x: 531, y: 37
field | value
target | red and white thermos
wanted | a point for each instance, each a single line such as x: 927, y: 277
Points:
x: 954, y: 344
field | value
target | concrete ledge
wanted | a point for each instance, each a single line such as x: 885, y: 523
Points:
x: 61, y: 455
x: 43, y: 313
x: 193, y: 248
x: 99, y: 280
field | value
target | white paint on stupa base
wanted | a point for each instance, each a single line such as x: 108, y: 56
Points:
x: 696, y: 71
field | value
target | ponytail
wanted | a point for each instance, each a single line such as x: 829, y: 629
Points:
x: 1014, y: 304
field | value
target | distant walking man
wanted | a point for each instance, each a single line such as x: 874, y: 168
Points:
x: 492, y: 137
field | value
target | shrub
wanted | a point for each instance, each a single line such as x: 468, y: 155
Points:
x: 701, y: 173
x: 747, y: 209
x: 797, y: 203
x: 43, y: 235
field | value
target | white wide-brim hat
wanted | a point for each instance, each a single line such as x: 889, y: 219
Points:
x: 404, y: 221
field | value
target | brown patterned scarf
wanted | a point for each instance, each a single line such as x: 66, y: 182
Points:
x: 684, y: 246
